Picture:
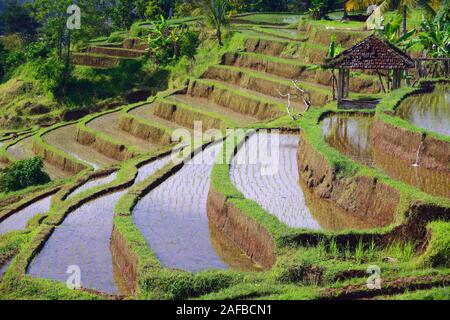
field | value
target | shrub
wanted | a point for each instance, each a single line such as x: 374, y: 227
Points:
x: 188, y: 44
x: 53, y: 73
x: 3, y: 56
x: 437, y: 253
x: 22, y: 174
x: 317, y: 9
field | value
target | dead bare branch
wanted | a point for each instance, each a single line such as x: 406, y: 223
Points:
x: 303, y: 94
x: 289, y: 108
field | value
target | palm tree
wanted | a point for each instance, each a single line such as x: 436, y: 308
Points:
x: 333, y: 51
x: 217, y: 16
x: 402, y: 5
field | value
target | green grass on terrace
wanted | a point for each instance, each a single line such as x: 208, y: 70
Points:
x: 270, y: 18
x: 242, y: 93
x: 262, y: 75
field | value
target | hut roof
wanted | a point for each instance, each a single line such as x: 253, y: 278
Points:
x: 372, y: 53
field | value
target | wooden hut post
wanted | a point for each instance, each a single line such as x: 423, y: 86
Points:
x: 347, y: 82
x: 340, y: 86
x: 372, y: 53
x: 396, y: 79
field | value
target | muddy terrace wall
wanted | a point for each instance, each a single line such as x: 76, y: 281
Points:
x: 94, y: 61
x: 229, y: 99
x: 134, y: 43
x: 125, y: 260
x: 243, y: 221
x: 55, y: 156
x: 403, y: 211
x: 116, y: 52
x: 185, y: 117
x: 305, y: 53
x: 392, y: 135
x: 100, y: 142
x: 265, y: 86
x: 253, y: 238
x: 144, y: 130
x: 346, y: 38
x: 404, y: 144
x: 297, y: 71
x: 362, y: 196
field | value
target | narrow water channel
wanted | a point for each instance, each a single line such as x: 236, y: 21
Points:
x: 93, y: 183
x: 174, y: 221
x: 3, y: 268
x: 83, y: 240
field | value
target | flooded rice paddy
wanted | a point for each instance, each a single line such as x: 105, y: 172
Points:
x: 109, y: 124
x: 174, y: 221
x: 266, y: 171
x: 429, y: 111
x: 83, y: 240
x: 18, y: 221
x: 350, y: 136
x: 23, y: 149
x: 93, y: 183
x: 65, y: 138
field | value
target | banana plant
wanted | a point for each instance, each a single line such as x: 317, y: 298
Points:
x: 317, y: 9
x: 333, y: 51
x: 435, y: 34
x: 391, y: 31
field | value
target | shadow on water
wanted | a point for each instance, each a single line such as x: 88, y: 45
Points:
x: 234, y: 257
x: 350, y: 136
x: 331, y: 217
x: 429, y: 111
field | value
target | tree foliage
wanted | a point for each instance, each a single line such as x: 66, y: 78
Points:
x: 317, y: 9
x: 435, y: 33
x: 168, y: 42
x: 390, y: 31
x: 217, y: 14
x: 18, y: 19
x: 22, y: 174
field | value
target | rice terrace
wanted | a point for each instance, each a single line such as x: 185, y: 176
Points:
x: 224, y: 150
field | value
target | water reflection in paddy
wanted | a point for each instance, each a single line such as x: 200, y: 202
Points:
x: 93, y: 183
x: 18, y: 221
x: 350, y: 136
x: 83, y: 240
x: 174, y: 221
x: 277, y: 191
x: 428, y: 111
